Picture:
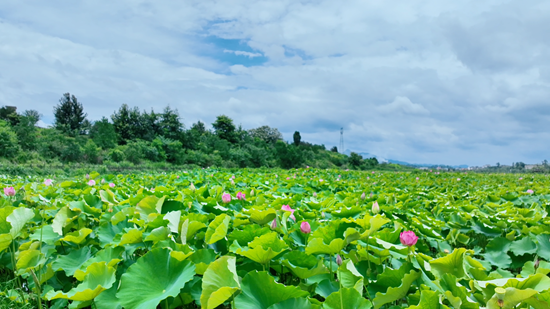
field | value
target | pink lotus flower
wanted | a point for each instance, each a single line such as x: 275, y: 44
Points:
x: 9, y: 191
x: 408, y: 238
x: 241, y: 196
x: 305, y: 227
x: 226, y: 198
x: 320, y: 180
x: 274, y: 224
x: 48, y: 182
x: 287, y: 208
x: 417, y: 178
x: 373, y: 172
x: 458, y: 179
x: 112, y: 185
x: 375, y: 208
x: 530, y: 191
x: 91, y: 182
x: 307, y: 166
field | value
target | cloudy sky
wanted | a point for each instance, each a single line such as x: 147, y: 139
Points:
x: 430, y: 81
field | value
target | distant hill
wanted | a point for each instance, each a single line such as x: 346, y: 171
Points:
x: 366, y: 155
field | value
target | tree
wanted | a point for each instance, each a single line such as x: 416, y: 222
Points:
x: 334, y: 149
x: 26, y: 129
x: 9, y: 114
x: 355, y: 159
x: 225, y: 129
x: 297, y: 138
x: 127, y: 124
x: 69, y: 115
x: 266, y: 134
x: 103, y: 134
x: 170, y: 125
x: 8, y: 141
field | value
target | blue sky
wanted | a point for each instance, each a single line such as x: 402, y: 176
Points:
x: 427, y: 81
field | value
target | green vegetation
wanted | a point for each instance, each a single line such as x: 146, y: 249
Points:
x: 130, y: 137
x: 299, y: 238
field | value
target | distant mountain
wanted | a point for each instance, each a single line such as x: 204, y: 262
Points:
x: 367, y: 155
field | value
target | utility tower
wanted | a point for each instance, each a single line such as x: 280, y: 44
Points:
x: 341, y: 140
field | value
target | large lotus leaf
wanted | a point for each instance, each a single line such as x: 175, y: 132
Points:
x: 346, y: 299
x: 537, y: 282
x: 347, y: 212
x: 262, y: 249
x: 511, y: 298
x: 543, y: 245
x: 220, y: 282
x: 189, y: 229
x: 374, y: 224
x: 71, y: 262
x: 133, y: 236
x: 174, y: 218
x: 154, y: 277
x: 63, y: 217
x: 262, y: 217
x: 395, y: 293
x: 523, y: 246
x: 99, y: 277
x: 429, y: 300
x: 217, y: 229
x: 301, y: 303
x: 450, y: 264
x: 107, y: 299
x: 28, y: 259
x: 529, y: 268
x: 77, y: 237
x: 46, y: 234
x: 5, y: 226
x: 539, y: 301
x: 202, y: 258
x: 456, y: 293
x: 317, y: 246
x: 18, y: 218
x: 260, y: 291
x: 303, y: 265
x: 149, y: 205
x: 349, y: 276
x: 158, y: 234
x: 108, y: 196
x: 390, y: 278
x: 109, y: 255
x: 5, y: 241
x: 247, y: 234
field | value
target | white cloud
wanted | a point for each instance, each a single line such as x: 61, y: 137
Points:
x: 242, y: 53
x: 403, y: 105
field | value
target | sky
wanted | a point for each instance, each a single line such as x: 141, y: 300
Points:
x: 431, y: 81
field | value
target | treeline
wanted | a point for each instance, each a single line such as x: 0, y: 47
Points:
x: 131, y: 137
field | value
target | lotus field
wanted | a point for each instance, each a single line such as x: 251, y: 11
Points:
x: 253, y: 239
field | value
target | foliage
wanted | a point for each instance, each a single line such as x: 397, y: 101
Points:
x: 69, y: 115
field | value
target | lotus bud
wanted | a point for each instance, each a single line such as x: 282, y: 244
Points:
x: 408, y: 238
x: 91, y: 182
x: 103, y: 180
x: 305, y: 227
x: 323, y: 214
x: 537, y: 262
x: 87, y: 176
x: 112, y: 185
x: 274, y: 224
x: 226, y: 198
x: 192, y: 187
x: 315, y: 194
x: 9, y: 191
x: 363, y: 196
x: 48, y: 182
x: 251, y: 192
x: 375, y: 208
x: 338, y: 259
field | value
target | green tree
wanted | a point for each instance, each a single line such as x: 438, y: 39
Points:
x: 9, y: 114
x: 334, y: 149
x: 297, y: 138
x: 170, y: 125
x: 69, y: 115
x: 91, y: 152
x: 289, y: 155
x: 26, y: 130
x: 127, y: 124
x: 103, y: 134
x: 9, y: 146
x: 355, y: 159
x: 266, y: 134
x: 225, y: 129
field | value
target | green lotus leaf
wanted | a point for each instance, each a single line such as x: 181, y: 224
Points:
x: 109, y: 255
x: 374, y: 224
x: 539, y: 301
x: 456, y: 293
x: 107, y: 299
x: 99, y: 277
x: 154, y: 277
x: 28, y: 259
x: 537, y: 282
x: 262, y: 217
x: 71, y: 262
x: 511, y: 298
x: 523, y: 246
x: 303, y: 265
x: 429, y: 300
x: 46, y: 234
x: 18, y: 218
x: 260, y: 291
x: 158, y: 234
x: 173, y: 218
x: 450, y: 264
x: 317, y: 246
x: 543, y: 245
x: 5, y: 226
x: 220, y: 282
x: 395, y: 293
x: 108, y: 197
x: 133, y: 236
x: 346, y: 298
x: 77, y: 237
x: 247, y: 234
x: 349, y: 277
x: 347, y: 212
x: 5, y: 241
x: 217, y: 229
x: 202, y: 258
x: 301, y: 303
x: 262, y: 249
x: 63, y: 217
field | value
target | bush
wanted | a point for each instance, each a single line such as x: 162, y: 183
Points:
x: 9, y: 146
x: 117, y: 155
x: 91, y: 152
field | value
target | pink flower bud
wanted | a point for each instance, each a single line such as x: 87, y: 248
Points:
x: 226, y: 197
x: 241, y: 196
x: 112, y: 185
x: 314, y: 194
x: 274, y: 224
x: 91, y: 182
x: 375, y: 208
x: 530, y: 191
x: 9, y: 191
x: 363, y: 196
x: 408, y: 238
x: 287, y: 208
x: 192, y: 187
x: 48, y: 182
x: 251, y: 192
x: 338, y: 259
x: 87, y: 176
x: 305, y: 227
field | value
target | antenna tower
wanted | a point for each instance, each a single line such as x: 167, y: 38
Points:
x: 342, y: 140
